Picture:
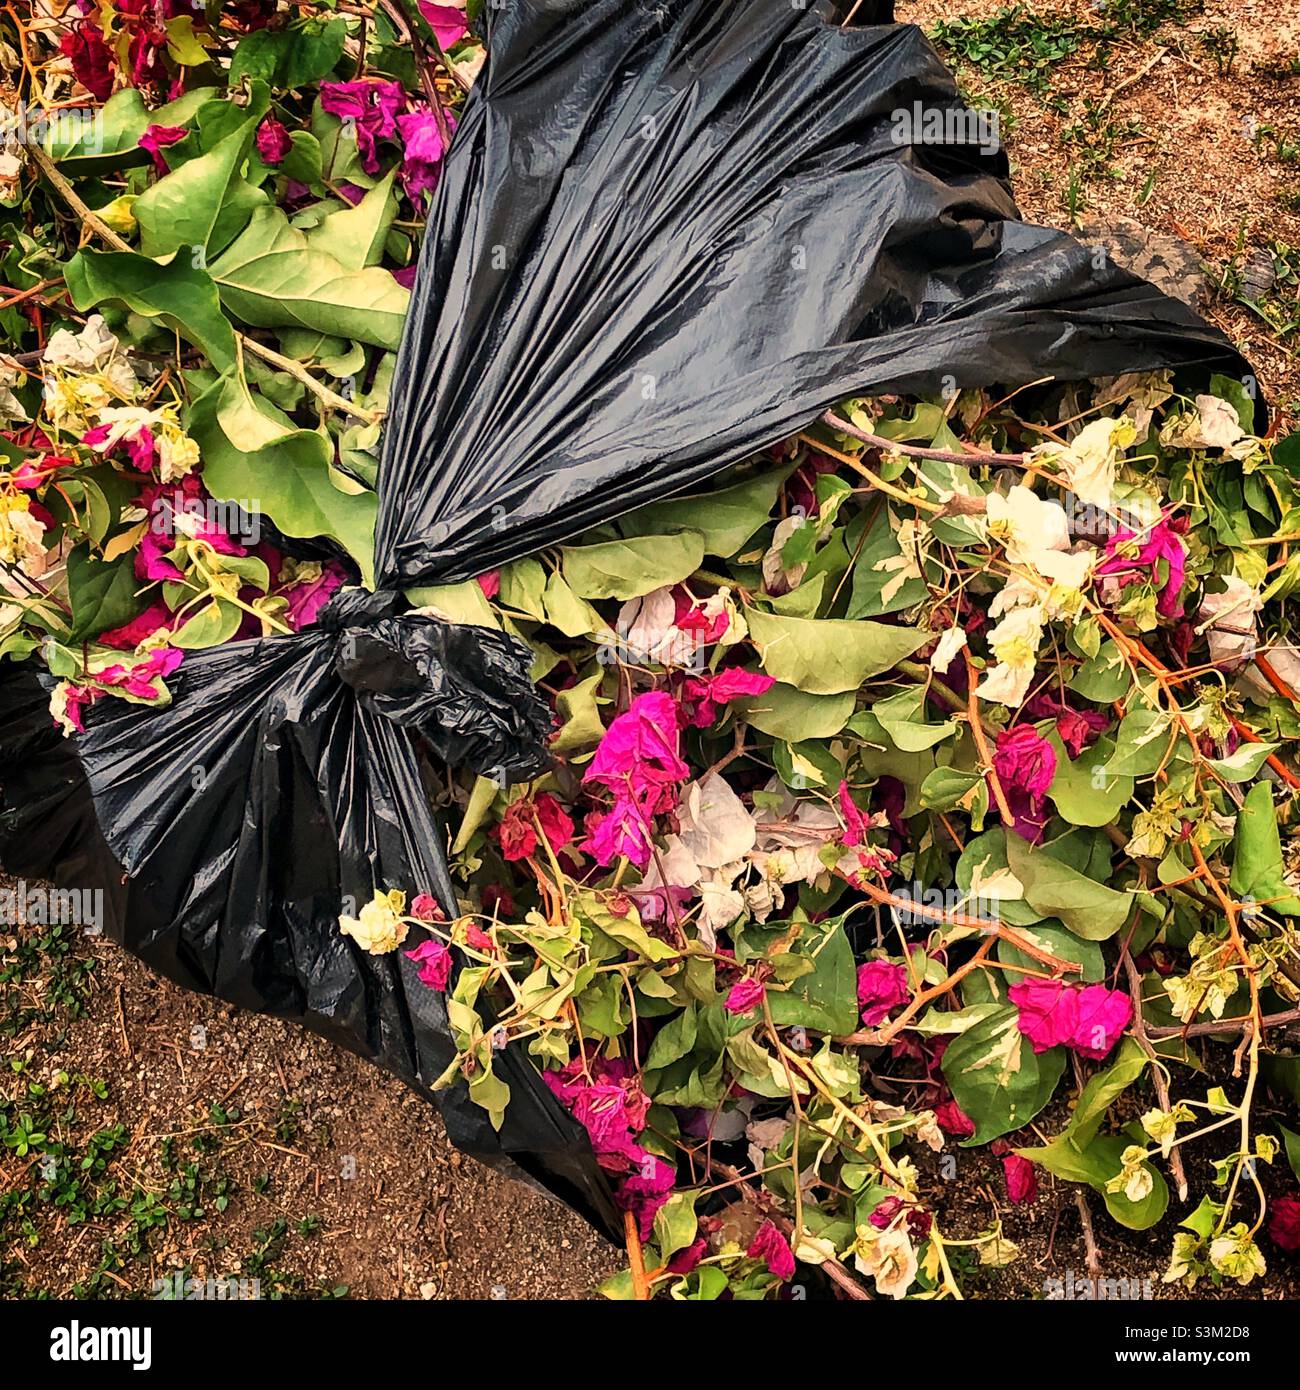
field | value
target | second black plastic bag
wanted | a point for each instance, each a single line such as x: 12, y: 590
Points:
x: 668, y: 235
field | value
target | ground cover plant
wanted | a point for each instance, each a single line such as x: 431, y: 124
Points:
x: 928, y: 771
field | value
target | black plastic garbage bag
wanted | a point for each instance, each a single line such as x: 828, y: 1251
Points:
x: 670, y: 232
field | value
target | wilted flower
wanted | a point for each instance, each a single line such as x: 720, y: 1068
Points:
x: 434, y: 959
x: 882, y: 986
x: 744, y: 996
x: 1284, y: 1223
x: 1025, y: 764
x: 273, y: 141
x: 1159, y: 559
x: 770, y: 1246
x: 516, y: 832
x: 1022, y: 1178
x: 379, y: 928
x: 372, y: 105
x: 424, y: 148
x: 156, y: 138
x: 1235, y: 1254
x: 888, y: 1256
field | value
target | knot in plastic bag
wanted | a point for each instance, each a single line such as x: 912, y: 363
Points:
x: 466, y: 689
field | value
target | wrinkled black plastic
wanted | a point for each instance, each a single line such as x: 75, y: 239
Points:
x: 669, y: 233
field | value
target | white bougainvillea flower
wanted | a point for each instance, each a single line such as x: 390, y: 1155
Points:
x: 379, y: 928
x: 1014, y: 644
x: 1228, y: 619
x: 952, y: 641
x: 1090, y: 461
x: 1026, y: 526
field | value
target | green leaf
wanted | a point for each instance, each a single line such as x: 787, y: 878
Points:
x: 1257, y: 855
x: 177, y: 294
x: 463, y: 602
x: 1095, y: 1165
x: 948, y: 787
x: 271, y: 277
x: 1060, y: 942
x: 206, y: 201
x: 103, y: 595
x: 1291, y: 1141
x: 208, y: 626
x: 354, y: 236
x: 726, y: 519
x: 826, y: 998
x: 902, y: 717
x: 1090, y: 909
x: 83, y: 141
x: 1142, y: 744
x: 829, y: 656
x: 1084, y: 791
x: 1104, y: 677
x: 289, y: 58
x: 1244, y: 763
x: 675, y: 1224
x: 789, y: 714
x: 996, y: 1076
x: 255, y: 455
x: 884, y: 579
x: 631, y: 568
x: 576, y: 706
x: 675, y: 1040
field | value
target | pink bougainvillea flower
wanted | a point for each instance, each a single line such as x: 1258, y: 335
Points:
x: 273, y: 141
x: 770, y: 1246
x: 686, y: 1260
x: 1025, y: 764
x: 164, y: 502
x: 372, y: 104
x: 883, y: 1213
x: 640, y: 748
x: 309, y: 596
x: 606, y: 1098
x: 35, y: 473
x: 735, y: 683
x: 1022, y: 1178
x: 856, y: 824
x: 744, y: 996
x: 91, y: 57
x: 78, y: 698
x: 646, y: 1191
x: 490, y: 582
x: 477, y: 938
x: 139, y: 442
x: 427, y: 908
x: 406, y: 278
x: 434, y: 958
x: 702, y: 695
x: 623, y: 831
x: 130, y: 635
x: 882, y: 986
x: 1088, y: 1019
x: 446, y: 21
x: 1158, y: 557
x: 138, y: 680
x: 156, y: 138
x: 1077, y: 729
x: 1284, y: 1223
x: 516, y: 832
x: 952, y: 1119
x: 423, y: 150
x: 707, y: 620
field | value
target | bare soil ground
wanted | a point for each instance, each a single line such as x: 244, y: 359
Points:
x: 190, y: 1137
